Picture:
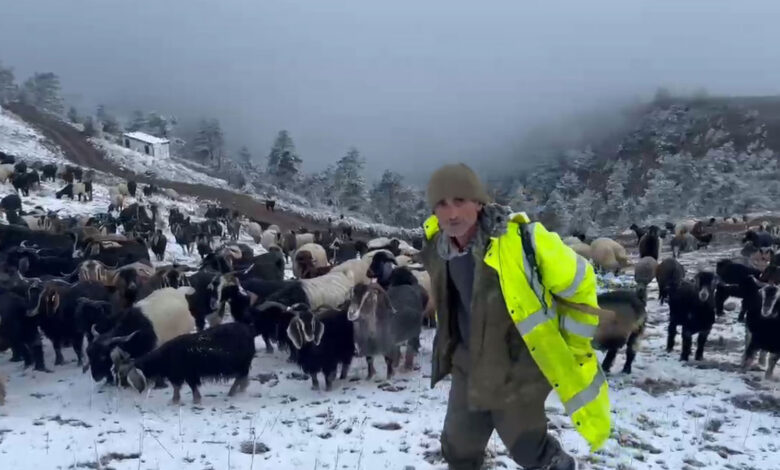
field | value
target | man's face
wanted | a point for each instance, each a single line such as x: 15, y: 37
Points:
x: 457, y: 216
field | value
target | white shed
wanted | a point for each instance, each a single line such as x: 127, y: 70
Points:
x: 147, y: 144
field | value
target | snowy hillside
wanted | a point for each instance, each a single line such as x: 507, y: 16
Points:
x: 17, y: 138
x: 677, y: 158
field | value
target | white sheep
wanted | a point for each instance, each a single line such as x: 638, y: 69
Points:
x: 171, y: 193
x: 122, y: 189
x: 684, y: 226
x: 319, y: 258
x: 358, y: 268
x: 256, y: 232
x: 303, y: 239
x: 579, y: 247
x: 644, y: 270
x: 608, y: 254
x: 269, y: 238
x: 116, y: 198
x: 169, y: 312
x: 5, y: 172
x: 330, y: 290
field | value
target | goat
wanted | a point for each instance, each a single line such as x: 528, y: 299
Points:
x: 670, y: 274
x: 735, y: 282
x: 158, y: 244
x: 624, y: 329
x: 324, y: 340
x: 692, y: 305
x: 221, y: 352
x: 762, y: 324
x: 307, y: 259
x: 160, y: 317
x: 20, y: 332
x: 385, y: 319
x: 649, y: 244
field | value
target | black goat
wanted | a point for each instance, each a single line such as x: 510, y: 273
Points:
x: 670, y: 273
x: 7, y: 159
x: 692, y: 306
x: 158, y: 243
x: 131, y: 187
x: 49, y: 172
x: 219, y: 353
x: 20, y: 168
x: 324, y: 341
x: 56, y: 314
x: 639, y: 231
x: 735, y: 282
x: 649, y: 244
x: 760, y: 239
x: 32, y: 264
x: 763, y: 324
x: 11, y: 203
x: 20, y: 332
x: 24, y: 181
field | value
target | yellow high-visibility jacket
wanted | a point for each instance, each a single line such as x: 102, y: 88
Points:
x: 558, y: 337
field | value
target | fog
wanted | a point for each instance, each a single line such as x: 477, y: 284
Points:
x: 411, y: 84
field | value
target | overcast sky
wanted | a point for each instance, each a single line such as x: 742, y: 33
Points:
x: 410, y: 83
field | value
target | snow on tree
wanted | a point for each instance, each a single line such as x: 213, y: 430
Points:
x: 8, y: 88
x: 42, y: 90
x: 662, y: 196
x: 583, y: 212
x: 282, y: 143
x: 138, y: 122
x: 349, y: 182
x: 209, y: 142
x: 245, y: 157
x: 616, y: 209
x: 89, y: 127
x: 557, y: 211
x: 394, y: 202
x: 159, y: 125
x: 108, y: 122
x: 569, y: 185
x: 580, y: 160
x: 73, y: 115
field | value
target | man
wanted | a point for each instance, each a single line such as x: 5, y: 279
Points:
x: 507, y: 345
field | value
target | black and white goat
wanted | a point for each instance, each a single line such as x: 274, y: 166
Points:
x: 762, y: 331
x: 324, y: 340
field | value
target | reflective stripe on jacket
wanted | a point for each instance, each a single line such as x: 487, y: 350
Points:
x: 558, y: 338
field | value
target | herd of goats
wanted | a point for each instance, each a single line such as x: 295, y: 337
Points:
x: 71, y: 278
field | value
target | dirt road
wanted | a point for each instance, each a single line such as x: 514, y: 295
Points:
x: 80, y: 151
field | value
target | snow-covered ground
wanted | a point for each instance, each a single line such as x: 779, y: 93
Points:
x: 666, y: 415
x: 17, y: 138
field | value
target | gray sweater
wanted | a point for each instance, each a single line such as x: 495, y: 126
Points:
x: 461, y: 273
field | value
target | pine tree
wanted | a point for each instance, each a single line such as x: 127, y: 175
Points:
x: 616, y: 209
x: 159, y: 125
x: 89, y: 127
x: 386, y: 194
x: 209, y: 142
x: 349, y: 182
x: 108, y: 122
x: 244, y: 157
x: 557, y: 210
x: 8, y: 88
x: 73, y: 115
x: 138, y: 122
x: 583, y: 211
x: 42, y: 90
x: 282, y: 143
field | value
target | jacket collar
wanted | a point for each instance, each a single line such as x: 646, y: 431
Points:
x: 493, y: 221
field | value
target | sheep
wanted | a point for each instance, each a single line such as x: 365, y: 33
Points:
x: 330, y: 290
x: 356, y: 267
x: 762, y: 324
x: 683, y: 243
x: 670, y: 274
x: 608, y: 254
x: 6, y: 171
x: 644, y: 270
x: 256, y: 232
x: 324, y: 340
x: 117, y: 199
x: 161, y: 316
x: 307, y: 258
x: 579, y: 247
x: 219, y: 353
x: 122, y: 189
x: 290, y: 241
x: 625, y: 328
x: 684, y: 226
x: 692, y: 305
x: 384, y: 319
x: 649, y: 244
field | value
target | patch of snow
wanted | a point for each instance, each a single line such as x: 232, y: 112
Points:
x: 19, y: 139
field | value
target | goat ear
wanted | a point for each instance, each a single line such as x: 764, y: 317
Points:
x: 295, y: 333
x: 319, y: 330
x: 136, y: 379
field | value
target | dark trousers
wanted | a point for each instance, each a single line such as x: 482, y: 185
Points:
x: 522, y: 426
